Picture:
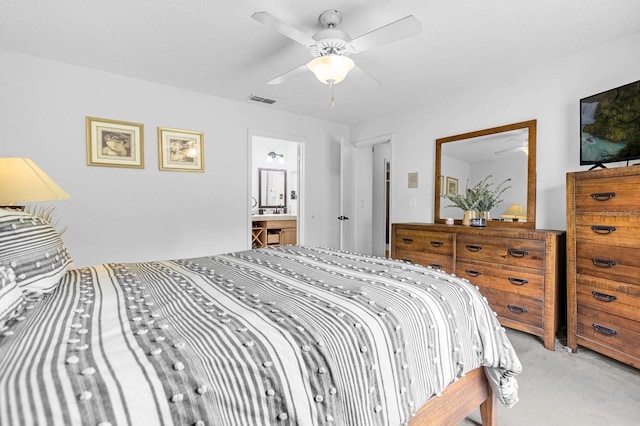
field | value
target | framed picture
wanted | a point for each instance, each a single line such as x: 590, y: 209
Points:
x: 452, y: 185
x: 180, y: 150
x: 112, y: 143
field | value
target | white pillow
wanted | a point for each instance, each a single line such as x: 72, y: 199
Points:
x: 33, y: 249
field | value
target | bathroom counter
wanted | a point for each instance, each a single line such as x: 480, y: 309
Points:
x: 258, y: 217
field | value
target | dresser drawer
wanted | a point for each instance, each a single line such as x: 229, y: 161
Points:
x: 621, y: 229
x: 424, y: 241
x: 619, y: 333
x: 620, y: 299
x: 506, y: 251
x: 608, y: 262
x: 529, y: 282
x: 516, y: 307
x: 608, y: 194
x: 436, y: 261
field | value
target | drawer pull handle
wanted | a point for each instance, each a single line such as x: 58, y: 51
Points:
x: 517, y: 309
x: 407, y: 240
x: 601, y: 229
x: 603, y: 196
x: 437, y: 243
x: 604, y: 263
x: 407, y: 260
x: 517, y: 281
x: 517, y: 253
x: 473, y: 248
x: 604, y: 330
x: 435, y: 265
x: 603, y: 297
x: 473, y: 273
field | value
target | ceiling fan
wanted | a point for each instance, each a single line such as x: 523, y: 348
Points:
x: 513, y: 145
x: 332, y: 47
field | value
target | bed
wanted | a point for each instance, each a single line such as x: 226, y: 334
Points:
x: 280, y: 336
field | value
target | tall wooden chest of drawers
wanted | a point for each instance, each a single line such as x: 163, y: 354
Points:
x: 519, y: 271
x: 603, y: 262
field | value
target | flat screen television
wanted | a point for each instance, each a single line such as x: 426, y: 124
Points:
x: 610, y: 126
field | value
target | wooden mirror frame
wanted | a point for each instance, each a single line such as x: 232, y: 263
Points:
x: 531, y: 172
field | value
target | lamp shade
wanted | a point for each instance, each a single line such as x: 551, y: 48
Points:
x: 22, y: 181
x: 515, y: 212
x: 331, y: 68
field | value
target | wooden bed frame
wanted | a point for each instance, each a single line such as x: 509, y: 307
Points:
x: 459, y: 400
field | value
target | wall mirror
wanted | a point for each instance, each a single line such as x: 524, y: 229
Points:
x: 503, y: 152
x: 273, y: 188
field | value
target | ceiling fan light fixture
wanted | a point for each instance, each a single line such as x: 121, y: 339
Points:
x: 331, y: 69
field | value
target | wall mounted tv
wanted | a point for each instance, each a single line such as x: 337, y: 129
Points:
x: 610, y: 126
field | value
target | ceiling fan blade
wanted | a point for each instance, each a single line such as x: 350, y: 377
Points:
x: 363, y: 78
x: 283, y: 28
x: 398, y: 30
x: 282, y: 77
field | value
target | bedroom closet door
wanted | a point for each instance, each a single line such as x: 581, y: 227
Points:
x: 372, y: 199
x: 380, y: 231
x: 346, y: 197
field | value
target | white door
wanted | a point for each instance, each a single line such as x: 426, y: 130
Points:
x: 365, y: 230
x: 379, y: 231
x: 346, y: 197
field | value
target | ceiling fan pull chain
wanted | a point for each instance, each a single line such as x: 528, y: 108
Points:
x: 332, y: 99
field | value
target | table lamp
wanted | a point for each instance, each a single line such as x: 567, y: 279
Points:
x: 515, y: 212
x: 22, y: 181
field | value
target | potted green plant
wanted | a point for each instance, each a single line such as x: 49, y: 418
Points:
x: 465, y: 201
x: 487, y: 196
x: 481, y: 197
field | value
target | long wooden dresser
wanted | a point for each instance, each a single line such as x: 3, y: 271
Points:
x: 519, y: 271
x: 603, y: 262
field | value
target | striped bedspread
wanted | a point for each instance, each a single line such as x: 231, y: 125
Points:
x: 279, y: 336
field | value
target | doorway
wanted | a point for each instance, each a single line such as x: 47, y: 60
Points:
x: 275, y: 167
x: 373, y: 166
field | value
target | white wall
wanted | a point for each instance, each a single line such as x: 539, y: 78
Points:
x: 119, y: 214
x: 549, y: 93
x: 127, y: 215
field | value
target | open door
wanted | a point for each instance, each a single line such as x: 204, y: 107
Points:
x: 346, y: 197
x: 380, y: 196
x: 371, y: 159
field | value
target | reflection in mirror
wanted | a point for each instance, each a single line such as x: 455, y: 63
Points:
x: 505, y: 152
x: 273, y: 188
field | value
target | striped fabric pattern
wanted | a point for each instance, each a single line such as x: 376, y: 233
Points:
x: 33, y: 249
x: 11, y: 298
x: 279, y: 336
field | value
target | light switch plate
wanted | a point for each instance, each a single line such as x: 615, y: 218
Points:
x: 413, y: 179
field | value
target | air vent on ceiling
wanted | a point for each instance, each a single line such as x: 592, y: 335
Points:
x: 260, y: 99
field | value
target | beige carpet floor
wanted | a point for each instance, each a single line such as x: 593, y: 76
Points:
x: 565, y: 389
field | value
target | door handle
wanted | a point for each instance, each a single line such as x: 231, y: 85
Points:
x: 343, y: 218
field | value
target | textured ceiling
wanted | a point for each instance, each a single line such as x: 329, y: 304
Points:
x: 215, y: 47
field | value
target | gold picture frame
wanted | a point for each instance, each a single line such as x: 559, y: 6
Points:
x: 180, y: 150
x: 113, y: 143
x: 452, y: 185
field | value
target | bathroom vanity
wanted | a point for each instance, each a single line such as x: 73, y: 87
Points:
x: 274, y: 230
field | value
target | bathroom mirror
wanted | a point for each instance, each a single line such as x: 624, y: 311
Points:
x: 504, y: 152
x: 273, y: 188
